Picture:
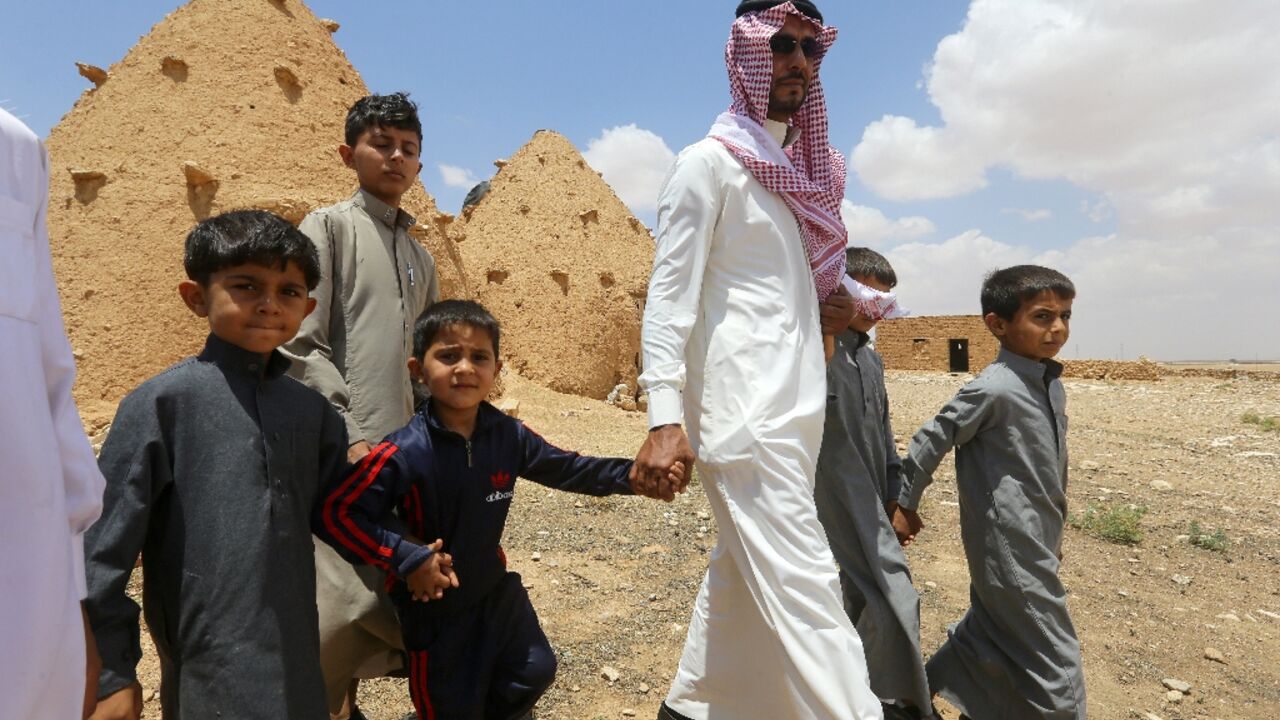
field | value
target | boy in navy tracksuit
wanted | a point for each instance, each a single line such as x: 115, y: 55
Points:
x: 475, y: 647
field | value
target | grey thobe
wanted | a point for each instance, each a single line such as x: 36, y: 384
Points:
x: 858, y: 472
x: 212, y: 470
x: 1015, y: 654
x: 375, y: 281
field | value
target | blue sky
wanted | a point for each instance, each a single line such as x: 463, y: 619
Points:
x: 986, y: 133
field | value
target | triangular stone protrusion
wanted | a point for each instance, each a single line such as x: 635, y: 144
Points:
x: 229, y: 116
x: 564, y: 266
x: 92, y: 73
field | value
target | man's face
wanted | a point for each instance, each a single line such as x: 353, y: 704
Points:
x: 385, y: 160
x: 792, y: 71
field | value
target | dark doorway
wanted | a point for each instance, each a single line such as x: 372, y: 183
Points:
x: 959, y: 355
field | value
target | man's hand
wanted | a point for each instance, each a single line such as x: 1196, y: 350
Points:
x: 837, y: 311
x: 434, y: 576
x: 92, y: 667
x: 123, y: 704
x: 906, y: 523
x: 357, y: 451
x: 660, y: 467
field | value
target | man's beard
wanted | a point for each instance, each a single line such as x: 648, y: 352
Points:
x: 786, y: 105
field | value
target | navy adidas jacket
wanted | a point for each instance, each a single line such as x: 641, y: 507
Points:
x: 445, y: 486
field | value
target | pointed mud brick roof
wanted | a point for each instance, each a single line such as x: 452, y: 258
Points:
x: 225, y: 104
x: 564, y: 266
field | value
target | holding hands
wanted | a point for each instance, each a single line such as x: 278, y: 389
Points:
x: 906, y: 523
x: 434, y: 576
x: 661, y: 466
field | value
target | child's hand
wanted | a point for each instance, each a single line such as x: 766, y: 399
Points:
x: 676, y: 477
x: 123, y: 704
x: 906, y: 523
x: 434, y: 576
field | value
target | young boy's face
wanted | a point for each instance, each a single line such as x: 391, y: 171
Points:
x: 1038, y: 330
x: 860, y: 323
x: 459, y: 367
x: 386, y: 161
x: 251, y: 306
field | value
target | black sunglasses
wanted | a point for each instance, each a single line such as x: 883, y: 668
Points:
x: 785, y: 45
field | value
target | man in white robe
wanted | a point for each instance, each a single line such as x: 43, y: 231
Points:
x: 749, y: 239
x: 50, y: 487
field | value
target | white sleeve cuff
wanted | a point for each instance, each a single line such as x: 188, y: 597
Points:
x: 77, y: 565
x: 666, y: 407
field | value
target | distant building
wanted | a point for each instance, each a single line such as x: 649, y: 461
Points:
x: 941, y: 343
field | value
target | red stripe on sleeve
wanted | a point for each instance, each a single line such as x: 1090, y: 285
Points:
x: 335, y: 520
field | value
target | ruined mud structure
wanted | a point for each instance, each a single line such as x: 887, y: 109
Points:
x: 563, y: 264
x: 941, y: 343
x: 230, y: 104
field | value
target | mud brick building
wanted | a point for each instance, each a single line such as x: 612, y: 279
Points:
x: 942, y: 343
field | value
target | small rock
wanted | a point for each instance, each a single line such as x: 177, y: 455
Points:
x: 610, y: 673
x: 1228, y: 616
x: 644, y: 688
x: 574, y: 688
x: 931, y: 584
x: 1181, y: 579
x: 1173, y: 696
x: 1215, y: 655
x: 1089, y: 465
x: 500, y: 163
x: 536, y: 556
x: 1268, y: 613
x: 628, y: 712
x: 1176, y: 684
x: 704, y: 515
x: 1122, y: 593
x: 653, y: 597
x: 628, y: 404
x: 92, y: 73
x: 589, y: 216
x: 1161, y: 485
x: 643, y: 403
x: 330, y: 25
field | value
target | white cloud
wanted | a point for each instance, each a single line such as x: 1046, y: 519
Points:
x: 634, y: 162
x: 870, y: 227
x: 1037, y: 215
x: 1166, y: 111
x: 1197, y: 297
x: 457, y: 177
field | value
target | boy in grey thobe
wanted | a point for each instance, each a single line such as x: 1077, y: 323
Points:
x: 1015, y: 654
x: 857, y: 483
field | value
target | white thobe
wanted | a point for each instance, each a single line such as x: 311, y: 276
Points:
x: 50, y: 487
x: 732, y: 348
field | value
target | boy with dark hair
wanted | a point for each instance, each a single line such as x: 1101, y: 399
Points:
x: 856, y: 491
x: 1015, y: 654
x: 375, y: 281
x: 451, y: 475
x: 212, y: 468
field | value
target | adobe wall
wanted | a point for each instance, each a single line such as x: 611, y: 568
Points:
x: 921, y: 343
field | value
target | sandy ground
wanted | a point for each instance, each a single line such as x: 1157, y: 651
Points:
x: 614, y: 578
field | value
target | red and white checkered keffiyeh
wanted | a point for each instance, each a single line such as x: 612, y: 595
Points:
x: 809, y: 174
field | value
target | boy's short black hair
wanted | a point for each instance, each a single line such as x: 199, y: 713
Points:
x: 395, y: 110
x: 448, y: 313
x: 1004, y: 291
x: 248, y: 236
x: 865, y: 262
